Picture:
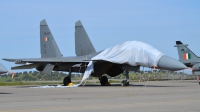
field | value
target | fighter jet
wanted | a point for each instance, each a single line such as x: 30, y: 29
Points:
x: 187, y: 57
x: 3, y: 69
x: 52, y: 59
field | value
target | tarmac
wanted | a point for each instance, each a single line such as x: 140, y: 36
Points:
x: 152, y: 96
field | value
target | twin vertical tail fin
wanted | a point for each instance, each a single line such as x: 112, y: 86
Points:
x: 83, y: 45
x: 184, y: 52
x: 48, y: 46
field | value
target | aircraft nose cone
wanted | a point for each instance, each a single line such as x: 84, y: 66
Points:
x: 169, y: 63
x: 3, y: 69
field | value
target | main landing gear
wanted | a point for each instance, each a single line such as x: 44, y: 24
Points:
x: 67, y: 79
x: 126, y: 81
x: 104, y: 81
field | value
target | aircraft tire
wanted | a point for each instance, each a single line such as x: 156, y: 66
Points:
x: 66, y: 81
x: 125, y: 83
x: 103, y: 80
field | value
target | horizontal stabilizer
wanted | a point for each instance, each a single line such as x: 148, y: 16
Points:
x: 30, y: 66
x: 48, y: 69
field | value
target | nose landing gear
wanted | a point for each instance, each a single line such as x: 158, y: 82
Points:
x: 126, y: 81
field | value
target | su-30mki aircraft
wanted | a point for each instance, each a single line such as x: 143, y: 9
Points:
x: 3, y: 69
x: 113, y: 61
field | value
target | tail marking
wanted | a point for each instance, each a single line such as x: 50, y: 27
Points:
x: 46, y: 39
x: 186, y: 56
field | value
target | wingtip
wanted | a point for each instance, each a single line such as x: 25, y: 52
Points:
x: 5, y: 59
x: 43, y: 22
x: 78, y: 23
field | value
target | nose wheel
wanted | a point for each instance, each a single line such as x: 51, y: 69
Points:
x: 125, y: 83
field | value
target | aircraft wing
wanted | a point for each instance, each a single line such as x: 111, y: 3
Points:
x: 49, y: 63
x: 45, y: 60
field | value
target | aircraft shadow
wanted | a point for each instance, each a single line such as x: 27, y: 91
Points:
x: 98, y: 85
x: 130, y: 85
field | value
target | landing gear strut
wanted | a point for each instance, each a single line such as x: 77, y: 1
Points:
x: 126, y: 81
x: 104, y: 81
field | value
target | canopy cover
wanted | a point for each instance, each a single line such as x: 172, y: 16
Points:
x: 131, y: 52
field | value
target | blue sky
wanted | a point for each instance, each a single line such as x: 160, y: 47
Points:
x: 156, y: 22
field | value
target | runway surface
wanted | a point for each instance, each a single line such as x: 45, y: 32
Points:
x: 160, y: 96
